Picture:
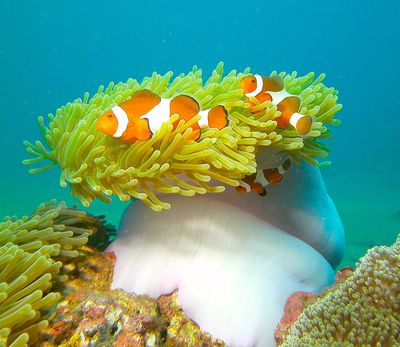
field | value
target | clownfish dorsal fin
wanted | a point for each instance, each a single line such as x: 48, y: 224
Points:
x: 140, y: 103
x: 273, y: 84
x: 145, y: 94
x: 185, y: 106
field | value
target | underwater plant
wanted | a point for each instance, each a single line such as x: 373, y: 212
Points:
x: 32, y: 251
x: 229, y: 255
x: 99, y: 166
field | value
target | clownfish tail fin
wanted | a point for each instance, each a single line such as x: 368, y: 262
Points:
x: 302, y: 123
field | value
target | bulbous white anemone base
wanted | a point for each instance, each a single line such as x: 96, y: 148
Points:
x: 233, y: 269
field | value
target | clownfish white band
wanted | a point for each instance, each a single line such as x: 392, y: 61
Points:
x: 203, y: 122
x: 277, y: 97
x: 260, y: 178
x: 258, y: 90
x: 122, y: 120
x: 158, y: 115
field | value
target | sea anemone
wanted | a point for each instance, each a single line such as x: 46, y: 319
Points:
x: 98, y: 166
x: 364, y: 310
x: 233, y: 264
x: 234, y: 257
x: 32, y: 252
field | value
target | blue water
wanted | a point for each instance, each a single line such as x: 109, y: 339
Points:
x: 51, y: 52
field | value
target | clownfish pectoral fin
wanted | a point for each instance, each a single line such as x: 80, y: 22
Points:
x: 185, y: 106
x: 273, y: 84
x: 141, y: 129
x: 217, y: 117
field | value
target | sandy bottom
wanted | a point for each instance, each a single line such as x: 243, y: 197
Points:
x: 368, y: 206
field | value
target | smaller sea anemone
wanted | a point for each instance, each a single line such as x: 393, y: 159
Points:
x: 364, y: 310
x: 32, y: 252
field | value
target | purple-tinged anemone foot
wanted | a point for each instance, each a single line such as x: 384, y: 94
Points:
x: 233, y: 268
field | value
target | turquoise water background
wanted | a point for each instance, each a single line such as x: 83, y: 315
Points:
x: 51, y: 52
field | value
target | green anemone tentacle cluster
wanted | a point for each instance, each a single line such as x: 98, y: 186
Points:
x: 32, y: 252
x: 98, y: 166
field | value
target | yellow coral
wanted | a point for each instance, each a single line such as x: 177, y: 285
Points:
x: 97, y: 166
x: 363, y: 311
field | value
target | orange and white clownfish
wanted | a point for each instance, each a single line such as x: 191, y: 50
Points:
x: 272, y: 89
x: 258, y: 181
x: 143, y: 114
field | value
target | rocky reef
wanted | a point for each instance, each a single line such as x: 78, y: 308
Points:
x: 360, y: 309
x: 92, y: 314
x: 34, y: 253
x: 73, y: 304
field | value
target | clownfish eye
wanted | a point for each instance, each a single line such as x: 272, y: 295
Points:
x: 253, y: 81
x: 109, y: 116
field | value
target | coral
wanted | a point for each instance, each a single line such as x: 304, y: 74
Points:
x: 97, y: 166
x: 91, y: 313
x: 91, y: 269
x: 298, y: 301
x: 181, y: 331
x: 362, y: 310
x: 116, y: 318
x: 295, y: 305
x: 32, y: 251
x: 104, y: 318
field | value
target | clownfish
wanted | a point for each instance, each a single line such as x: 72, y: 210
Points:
x: 258, y: 181
x: 272, y: 89
x: 139, y: 117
